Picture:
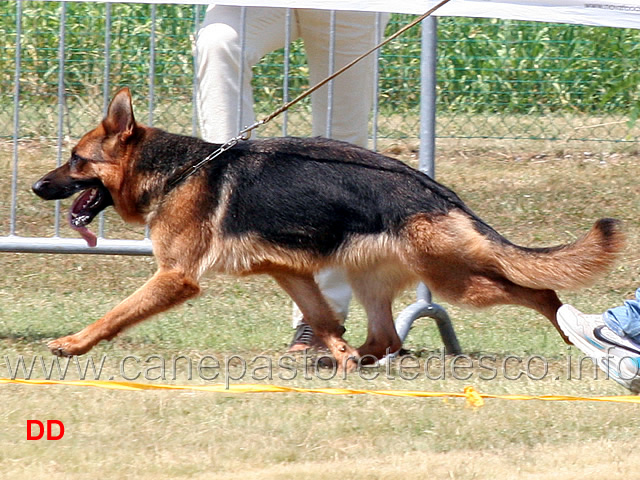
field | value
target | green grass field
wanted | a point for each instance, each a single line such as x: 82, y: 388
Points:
x: 535, y: 194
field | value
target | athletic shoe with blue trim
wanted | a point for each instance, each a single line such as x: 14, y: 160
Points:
x: 617, y: 356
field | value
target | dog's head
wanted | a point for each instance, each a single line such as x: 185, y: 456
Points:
x: 96, y: 168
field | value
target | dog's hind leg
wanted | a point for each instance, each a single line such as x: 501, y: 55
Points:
x: 164, y: 290
x: 544, y: 301
x: 456, y: 283
x: 303, y: 289
x: 375, y: 290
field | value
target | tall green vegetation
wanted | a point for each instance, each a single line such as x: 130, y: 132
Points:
x: 485, y: 66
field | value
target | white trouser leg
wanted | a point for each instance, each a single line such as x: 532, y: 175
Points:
x: 226, y: 50
x: 352, y: 95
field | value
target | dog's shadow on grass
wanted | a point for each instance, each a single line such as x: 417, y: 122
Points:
x: 35, y: 337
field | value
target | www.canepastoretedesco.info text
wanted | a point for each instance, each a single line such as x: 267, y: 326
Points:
x: 233, y: 368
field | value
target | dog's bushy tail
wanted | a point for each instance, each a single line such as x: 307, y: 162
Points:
x: 570, y: 266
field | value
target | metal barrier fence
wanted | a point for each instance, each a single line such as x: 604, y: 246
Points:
x: 60, y: 62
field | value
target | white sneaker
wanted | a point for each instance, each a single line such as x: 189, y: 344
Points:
x: 617, y: 356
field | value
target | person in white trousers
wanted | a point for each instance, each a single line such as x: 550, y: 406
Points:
x: 232, y: 39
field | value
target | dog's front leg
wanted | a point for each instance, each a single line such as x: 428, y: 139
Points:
x: 303, y: 289
x: 164, y: 290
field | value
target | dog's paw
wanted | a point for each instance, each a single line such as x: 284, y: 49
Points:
x: 67, y: 347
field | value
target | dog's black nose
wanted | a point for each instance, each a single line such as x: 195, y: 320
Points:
x: 40, y: 187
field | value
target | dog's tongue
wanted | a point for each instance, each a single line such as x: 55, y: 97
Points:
x: 80, y: 216
x: 87, y: 234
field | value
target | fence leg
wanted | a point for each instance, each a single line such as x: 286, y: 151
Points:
x: 423, y: 307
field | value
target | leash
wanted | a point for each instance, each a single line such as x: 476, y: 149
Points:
x: 245, y: 133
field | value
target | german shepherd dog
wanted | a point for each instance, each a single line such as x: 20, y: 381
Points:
x: 288, y: 207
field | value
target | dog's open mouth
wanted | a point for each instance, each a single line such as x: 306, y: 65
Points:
x: 84, y: 209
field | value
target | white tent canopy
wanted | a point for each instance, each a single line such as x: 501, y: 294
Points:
x: 604, y: 13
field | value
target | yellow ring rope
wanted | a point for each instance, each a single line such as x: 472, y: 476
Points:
x: 473, y: 397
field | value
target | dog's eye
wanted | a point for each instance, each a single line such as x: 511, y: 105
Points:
x: 76, y: 161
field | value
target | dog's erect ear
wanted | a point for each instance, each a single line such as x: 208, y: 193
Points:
x: 119, y: 119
